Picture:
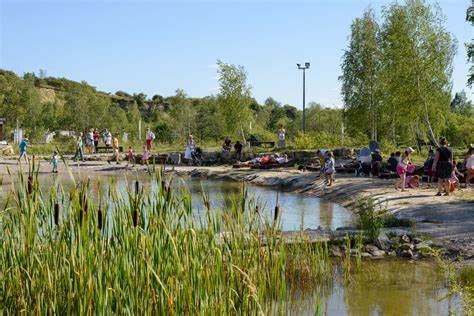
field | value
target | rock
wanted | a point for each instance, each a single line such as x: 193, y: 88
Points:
x: 407, y: 253
x: 405, y: 239
x: 417, y: 240
x: 426, y: 243
x: 345, y: 228
x: 370, y: 248
x: 378, y: 253
x: 354, y: 252
x: 175, y: 158
x: 392, y: 253
x: 407, y: 246
x: 335, y: 251
x: 382, y: 242
x: 365, y: 255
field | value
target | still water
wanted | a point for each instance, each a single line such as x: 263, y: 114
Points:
x: 297, y: 211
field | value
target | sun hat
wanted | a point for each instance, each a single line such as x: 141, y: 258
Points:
x: 410, y: 150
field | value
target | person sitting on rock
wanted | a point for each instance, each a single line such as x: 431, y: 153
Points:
x: 227, y: 145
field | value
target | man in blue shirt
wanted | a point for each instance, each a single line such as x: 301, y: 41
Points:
x: 23, y: 146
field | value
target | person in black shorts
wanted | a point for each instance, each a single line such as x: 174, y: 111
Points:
x: 443, y: 166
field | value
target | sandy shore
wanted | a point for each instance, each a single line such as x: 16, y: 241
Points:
x: 449, y: 221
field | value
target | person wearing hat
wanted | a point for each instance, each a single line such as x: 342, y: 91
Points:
x: 443, y: 166
x: 402, y: 168
x: 23, y: 146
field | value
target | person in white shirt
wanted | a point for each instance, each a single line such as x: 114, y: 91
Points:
x: 150, y: 136
x: 281, y: 137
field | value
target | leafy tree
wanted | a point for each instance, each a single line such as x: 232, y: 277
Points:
x: 361, y: 86
x: 182, y: 113
x: 417, y: 54
x: 461, y: 105
x: 234, y: 97
x: 470, y: 46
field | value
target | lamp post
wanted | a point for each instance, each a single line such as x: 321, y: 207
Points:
x: 306, y: 66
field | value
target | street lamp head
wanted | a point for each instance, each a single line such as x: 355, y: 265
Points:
x: 306, y: 65
x: 299, y: 65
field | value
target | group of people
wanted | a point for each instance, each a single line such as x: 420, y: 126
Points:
x: 238, y: 147
x: 264, y: 160
x: 440, y: 164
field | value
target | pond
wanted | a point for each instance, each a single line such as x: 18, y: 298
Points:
x: 297, y: 211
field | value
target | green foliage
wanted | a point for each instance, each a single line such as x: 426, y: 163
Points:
x: 470, y: 46
x: 371, y: 218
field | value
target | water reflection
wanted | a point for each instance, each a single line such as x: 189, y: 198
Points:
x: 380, y: 288
x: 297, y: 211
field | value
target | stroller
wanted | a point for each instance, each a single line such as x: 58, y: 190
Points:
x: 365, y: 163
x: 196, y: 157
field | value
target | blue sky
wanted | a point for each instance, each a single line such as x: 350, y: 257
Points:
x: 156, y: 47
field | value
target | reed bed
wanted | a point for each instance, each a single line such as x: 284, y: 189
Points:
x: 144, y: 252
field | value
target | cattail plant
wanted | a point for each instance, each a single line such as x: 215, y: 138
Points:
x: 56, y: 214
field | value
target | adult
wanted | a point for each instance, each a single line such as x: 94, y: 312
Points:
x: 23, y: 146
x: 90, y: 141
x: 281, y: 137
x: 227, y: 145
x: 469, y: 166
x: 402, y: 168
x: 392, y: 163
x: 96, y: 140
x: 150, y: 137
x: 377, y: 162
x: 115, y: 148
x: 443, y: 166
x: 238, y: 150
x: 107, y: 138
x: 190, y: 145
x: 79, y: 148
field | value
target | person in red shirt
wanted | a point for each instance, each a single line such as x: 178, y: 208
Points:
x: 96, y: 139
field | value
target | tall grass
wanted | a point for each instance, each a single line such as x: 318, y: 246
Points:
x: 143, y: 252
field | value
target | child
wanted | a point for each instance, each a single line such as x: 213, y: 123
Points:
x: 23, y: 146
x: 131, y: 158
x: 454, y: 179
x: 329, y: 169
x: 429, y: 166
x: 402, y: 169
x: 146, y: 155
x: 55, y: 161
x: 412, y: 182
x: 469, y: 166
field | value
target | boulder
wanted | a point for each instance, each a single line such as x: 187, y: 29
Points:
x: 407, y: 253
x: 370, y: 248
x: 382, y: 242
x: 365, y: 255
x: 405, y: 239
x: 378, y: 253
x: 335, y: 251
x: 417, y: 240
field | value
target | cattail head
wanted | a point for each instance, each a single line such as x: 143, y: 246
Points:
x: 30, y: 184
x: 99, y: 219
x: 256, y: 209
x: 277, y: 212
x: 137, y: 187
x: 135, y: 217
x: 207, y: 204
x: 56, y: 214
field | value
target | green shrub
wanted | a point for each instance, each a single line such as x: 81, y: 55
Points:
x: 371, y: 219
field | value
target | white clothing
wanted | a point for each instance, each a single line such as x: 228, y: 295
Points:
x: 281, y: 134
x: 150, y: 135
x: 189, y: 149
x: 470, y: 162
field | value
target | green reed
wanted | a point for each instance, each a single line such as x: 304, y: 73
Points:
x: 144, y: 252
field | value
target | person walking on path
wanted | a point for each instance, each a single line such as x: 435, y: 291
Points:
x: 79, y: 148
x: 443, y: 166
x: 469, y: 166
x: 90, y: 141
x: 281, y: 137
x: 190, y: 144
x: 150, y: 137
x: 96, y: 140
x: 23, y: 146
x: 55, y: 162
x: 115, y: 148
x: 402, y: 168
